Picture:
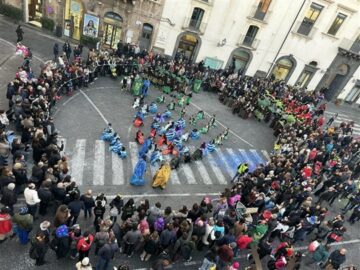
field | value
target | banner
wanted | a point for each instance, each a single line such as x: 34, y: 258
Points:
x: 91, y: 26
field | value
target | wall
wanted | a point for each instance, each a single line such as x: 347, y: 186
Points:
x: 231, y: 19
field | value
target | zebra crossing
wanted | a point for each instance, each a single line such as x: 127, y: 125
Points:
x: 92, y: 164
x: 343, y: 118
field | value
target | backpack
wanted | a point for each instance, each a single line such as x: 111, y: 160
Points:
x: 159, y: 224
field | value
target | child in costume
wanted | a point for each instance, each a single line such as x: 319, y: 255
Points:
x: 153, y: 108
x: 171, y: 106
x: 205, y: 129
x: 139, y: 138
x: 160, y: 99
x: 195, y: 134
x: 200, y: 115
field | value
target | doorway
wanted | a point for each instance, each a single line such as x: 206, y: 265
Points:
x: 146, y: 35
x: 112, y: 29
x: 187, y: 46
x: 35, y: 12
x: 337, y: 81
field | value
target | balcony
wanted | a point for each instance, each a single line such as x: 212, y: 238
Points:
x: 350, y: 45
x: 249, y: 42
x: 258, y: 15
x: 305, y: 29
x: 196, y: 26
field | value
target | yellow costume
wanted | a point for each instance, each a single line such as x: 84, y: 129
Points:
x: 162, y: 176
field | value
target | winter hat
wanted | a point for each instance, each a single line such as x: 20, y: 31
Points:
x: 11, y: 186
x: 44, y: 225
x: 236, y: 265
x: 311, y: 220
x: 23, y: 210
x: 17, y: 166
x: 62, y: 231
x: 85, y: 261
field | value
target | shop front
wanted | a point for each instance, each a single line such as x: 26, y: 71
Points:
x: 74, y: 12
x: 112, y: 28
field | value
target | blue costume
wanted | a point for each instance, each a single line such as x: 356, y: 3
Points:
x: 195, y: 134
x: 155, y: 125
x: 140, y: 115
x: 210, y: 147
x: 153, y: 108
x: 166, y: 114
x: 155, y: 157
x: 170, y: 134
x: 145, y: 147
x: 137, y: 179
x: 181, y: 123
x: 145, y: 87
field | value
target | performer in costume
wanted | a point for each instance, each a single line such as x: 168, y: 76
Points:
x: 145, y: 147
x: 139, y: 138
x: 137, y: 179
x: 162, y: 176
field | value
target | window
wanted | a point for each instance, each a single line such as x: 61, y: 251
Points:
x: 340, y: 18
x: 307, y: 74
x: 356, y: 45
x: 354, y: 94
x: 309, y: 20
x: 196, y: 18
x: 262, y: 9
x: 250, y: 35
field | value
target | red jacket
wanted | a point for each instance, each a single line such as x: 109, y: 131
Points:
x: 82, y: 245
x: 5, y: 223
x: 243, y: 241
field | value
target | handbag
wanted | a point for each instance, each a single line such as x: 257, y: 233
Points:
x: 335, y: 237
x: 114, y: 212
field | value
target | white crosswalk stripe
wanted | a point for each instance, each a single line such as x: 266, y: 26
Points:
x: 215, y: 168
x: 224, y: 161
x: 133, y: 147
x: 266, y: 154
x: 117, y: 167
x: 78, y: 161
x: 99, y: 163
x: 174, y: 177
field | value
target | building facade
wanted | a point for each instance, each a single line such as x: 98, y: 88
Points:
x: 313, y: 43
x: 133, y: 21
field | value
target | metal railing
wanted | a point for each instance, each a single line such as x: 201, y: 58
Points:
x: 194, y: 25
x: 248, y: 41
x: 305, y: 28
x: 350, y: 45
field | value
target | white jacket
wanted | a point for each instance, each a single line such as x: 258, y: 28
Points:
x: 31, y: 196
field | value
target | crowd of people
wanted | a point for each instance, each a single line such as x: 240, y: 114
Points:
x: 264, y: 213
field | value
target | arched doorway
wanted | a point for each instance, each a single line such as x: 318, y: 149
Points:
x: 112, y: 29
x: 187, y: 46
x: 239, y: 60
x: 283, y: 68
x: 146, y: 35
x: 338, y: 78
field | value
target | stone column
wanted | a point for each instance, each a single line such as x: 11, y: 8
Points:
x: 26, y: 10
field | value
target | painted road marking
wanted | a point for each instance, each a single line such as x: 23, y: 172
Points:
x: 78, y: 161
x: 99, y: 163
x: 133, y: 154
x: 224, y: 161
x: 266, y: 155
x: 215, y: 167
x: 117, y: 168
x: 174, y: 177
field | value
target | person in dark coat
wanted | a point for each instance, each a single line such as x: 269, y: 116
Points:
x: 56, y: 51
x: 19, y: 32
x: 67, y: 50
x: 89, y: 203
x: 106, y: 254
x: 151, y: 246
x: 61, y: 243
x: 38, y: 249
x: 75, y: 207
x: 336, y: 258
x: 46, y: 197
x: 9, y: 197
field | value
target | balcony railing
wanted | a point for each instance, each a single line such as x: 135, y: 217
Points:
x: 257, y: 14
x: 305, y: 28
x: 248, y: 41
x: 350, y: 45
x: 194, y: 25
